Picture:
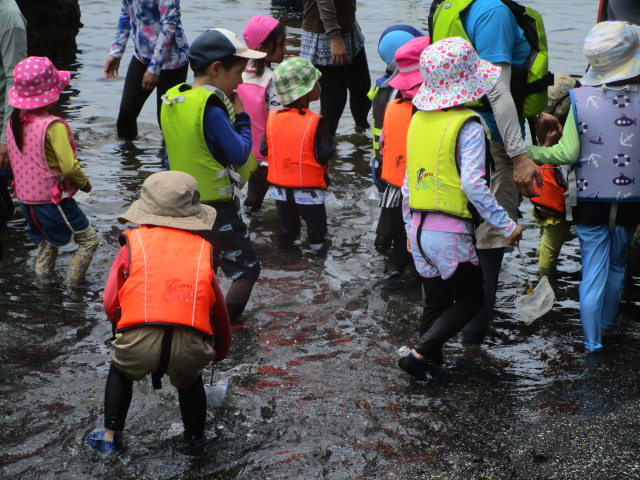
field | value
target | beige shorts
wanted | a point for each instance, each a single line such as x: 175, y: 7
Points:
x: 136, y: 353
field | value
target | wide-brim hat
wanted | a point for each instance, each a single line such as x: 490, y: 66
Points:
x: 36, y: 83
x: 294, y: 78
x: 258, y: 29
x: 394, y: 37
x: 453, y: 74
x: 170, y: 199
x: 407, y: 75
x: 613, y: 52
x: 216, y: 44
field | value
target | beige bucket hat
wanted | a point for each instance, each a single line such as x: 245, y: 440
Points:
x: 170, y: 199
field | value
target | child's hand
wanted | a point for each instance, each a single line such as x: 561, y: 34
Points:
x: 513, y: 239
x: 87, y: 187
x: 548, y: 129
x: 408, y: 245
x: 236, y: 101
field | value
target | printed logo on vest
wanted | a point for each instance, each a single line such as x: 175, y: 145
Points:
x: 177, y: 291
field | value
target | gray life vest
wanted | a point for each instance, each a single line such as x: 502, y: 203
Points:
x: 609, y: 166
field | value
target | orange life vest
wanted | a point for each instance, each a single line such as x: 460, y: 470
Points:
x: 168, y: 280
x: 291, y: 135
x: 397, y: 118
x: 551, y: 193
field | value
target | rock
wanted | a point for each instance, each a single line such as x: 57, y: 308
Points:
x: 52, y: 27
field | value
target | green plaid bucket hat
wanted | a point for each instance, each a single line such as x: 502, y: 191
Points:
x: 294, y: 78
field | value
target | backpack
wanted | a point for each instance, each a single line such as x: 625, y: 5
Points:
x: 528, y: 84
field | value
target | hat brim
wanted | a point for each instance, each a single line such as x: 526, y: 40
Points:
x: 624, y: 71
x: 42, y: 100
x: 203, y: 221
x: 250, y: 54
x: 482, y: 81
x: 406, y: 80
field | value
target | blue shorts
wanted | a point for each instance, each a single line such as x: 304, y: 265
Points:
x: 232, y: 247
x: 55, y: 223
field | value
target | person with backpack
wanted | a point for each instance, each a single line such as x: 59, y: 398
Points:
x: 494, y: 31
x: 600, y: 139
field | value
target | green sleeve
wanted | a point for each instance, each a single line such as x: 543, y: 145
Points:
x: 565, y: 152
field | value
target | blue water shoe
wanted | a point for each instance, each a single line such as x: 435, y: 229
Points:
x: 96, y: 441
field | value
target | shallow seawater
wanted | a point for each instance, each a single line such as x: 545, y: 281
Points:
x: 314, y: 391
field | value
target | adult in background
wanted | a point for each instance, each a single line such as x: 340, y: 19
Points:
x: 13, y: 49
x: 622, y: 10
x: 493, y: 31
x: 160, y: 57
x: 333, y: 42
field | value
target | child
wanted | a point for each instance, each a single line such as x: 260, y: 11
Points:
x: 299, y: 146
x: 599, y: 137
x: 208, y: 135
x: 391, y: 236
x: 165, y: 306
x: 391, y: 39
x: 258, y: 95
x: 549, y: 208
x: 444, y: 184
x: 42, y: 152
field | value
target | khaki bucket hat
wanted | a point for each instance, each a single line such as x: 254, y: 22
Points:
x: 170, y: 199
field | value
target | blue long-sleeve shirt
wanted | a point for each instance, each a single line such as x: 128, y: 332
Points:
x: 228, y: 143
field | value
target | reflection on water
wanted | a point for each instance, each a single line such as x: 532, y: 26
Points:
x: 314, y: 391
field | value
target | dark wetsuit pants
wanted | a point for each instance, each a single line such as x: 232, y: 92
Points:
x: 448, y: 306
x: 117, y: 399
x: 289, y: 214
x: 336, y: 81
x: 134, y: 97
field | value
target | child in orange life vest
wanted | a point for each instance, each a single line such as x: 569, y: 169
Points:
x: 444, y: 175
x: 166, y: 308
x: 299, y: 146
x: 390, y: 232
x: 549, y: 207
x: 42, y: 152
x: 264, y: 34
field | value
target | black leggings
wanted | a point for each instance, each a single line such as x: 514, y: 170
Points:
x: 335, y: 81
x: 448, y: 306
x: 491, y: 263
x: 133, y: 96
x: 257, y: 188
x: 117, y: 399
x: 289, y: 214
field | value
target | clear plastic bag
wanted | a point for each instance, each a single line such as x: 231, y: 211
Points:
x: 537, y: 303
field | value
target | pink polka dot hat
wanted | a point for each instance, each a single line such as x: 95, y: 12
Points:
x: 36, y: 83
x: 452, y: 75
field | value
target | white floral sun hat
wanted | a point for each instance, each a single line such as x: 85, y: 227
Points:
x: 453, y: 74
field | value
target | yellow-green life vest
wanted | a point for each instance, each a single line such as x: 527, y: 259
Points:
x: 432, y: 167
x: 182, y: 118
x: 529, y: 83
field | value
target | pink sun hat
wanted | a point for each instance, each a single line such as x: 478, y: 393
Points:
x: 408, y: 59
x: 258, y: 29
x: 36, y: 83
x: 453, y: 74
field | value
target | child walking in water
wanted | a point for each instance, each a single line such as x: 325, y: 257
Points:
x: 264, y: 34
x: 444, y: 190
x: 299, y: 146
x: 42, y: 152
x: 165, y: 306
x: 391, y: 236
x: 600, y: 138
